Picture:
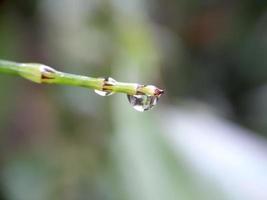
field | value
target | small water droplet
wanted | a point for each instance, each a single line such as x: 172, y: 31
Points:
x: 103, y: 93
x: 142, y: 103
x: 106, y: 82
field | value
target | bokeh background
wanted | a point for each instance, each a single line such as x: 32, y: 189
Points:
x: 206, y: 138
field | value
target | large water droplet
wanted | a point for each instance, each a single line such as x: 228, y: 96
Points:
x: 106, y: 82
x: 142, y: 103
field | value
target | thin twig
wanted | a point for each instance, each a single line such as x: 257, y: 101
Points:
x: 40, y: 73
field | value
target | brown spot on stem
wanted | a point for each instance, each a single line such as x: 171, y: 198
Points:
x: 107, y: 83
x: 46, y: 77
x: 158, y: 92
x: 47, y: 73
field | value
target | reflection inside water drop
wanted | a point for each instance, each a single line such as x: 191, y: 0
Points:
x: 142, y: 103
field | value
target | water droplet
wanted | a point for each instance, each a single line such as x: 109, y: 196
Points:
x: 142, y: 103
x: 103, y: 93
x: 107, y: 82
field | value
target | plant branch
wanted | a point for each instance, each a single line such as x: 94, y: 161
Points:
x: 40, y: 73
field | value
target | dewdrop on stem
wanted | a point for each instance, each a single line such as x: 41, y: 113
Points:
x: 143, y: 102
x: 107, y: 82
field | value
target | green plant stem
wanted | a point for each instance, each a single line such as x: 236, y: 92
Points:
x: 40, y: 73
x: 9, y: 67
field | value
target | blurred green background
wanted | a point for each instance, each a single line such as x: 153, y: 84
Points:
x: 206, y: 138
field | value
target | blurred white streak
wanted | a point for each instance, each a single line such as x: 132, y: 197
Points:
x: 219, y: 151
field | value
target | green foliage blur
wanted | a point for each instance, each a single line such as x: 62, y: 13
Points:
x: 206, y: 138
